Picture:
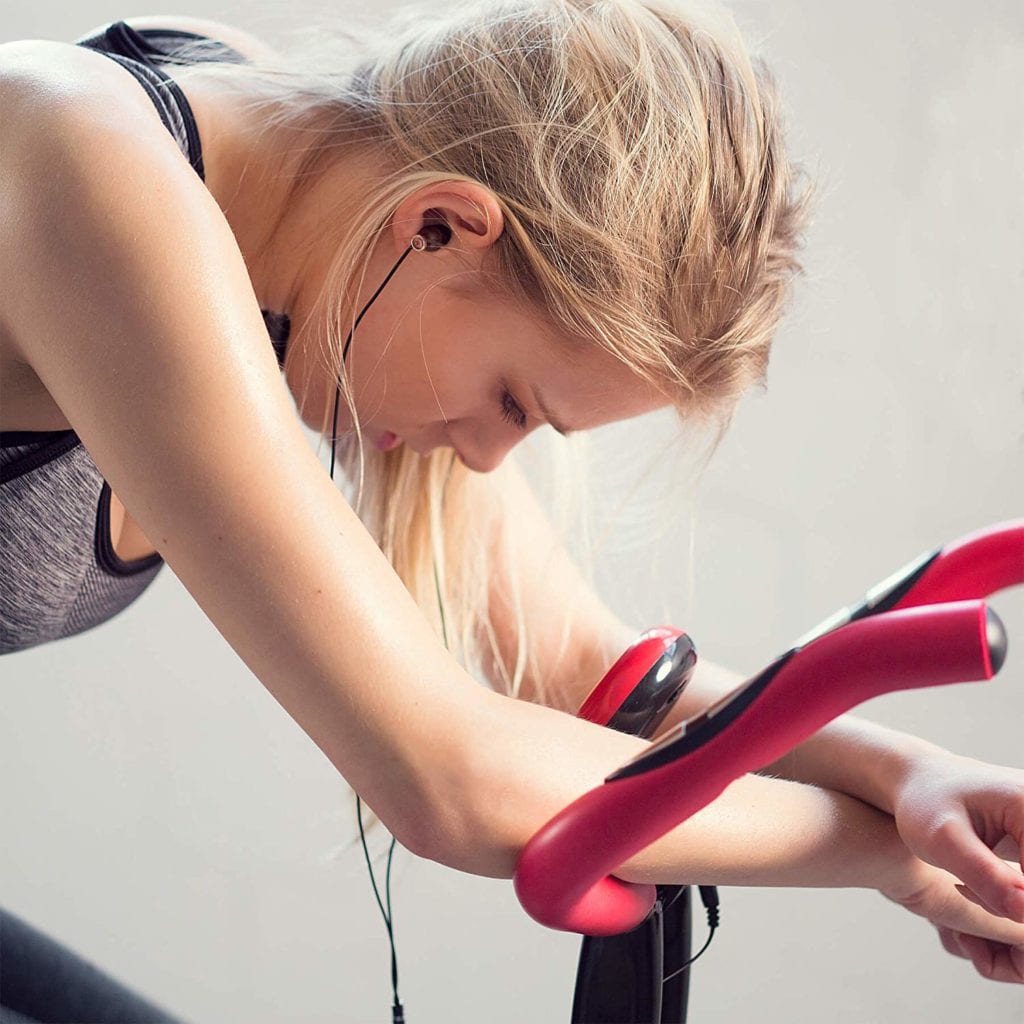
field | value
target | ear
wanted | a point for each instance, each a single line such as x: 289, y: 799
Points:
x: 472, y: 212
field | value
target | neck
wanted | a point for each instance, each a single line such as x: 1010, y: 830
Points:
x: 251, y: 172
x: 248, y: 173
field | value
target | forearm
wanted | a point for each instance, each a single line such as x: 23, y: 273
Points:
x: 849, y: 755
x: 533, y: 761
x: 853, y: 756
x: 771, y: 832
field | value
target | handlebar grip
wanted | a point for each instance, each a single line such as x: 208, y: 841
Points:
x: 971, y: 568
x: 974, y: 566
x: 563, y: 876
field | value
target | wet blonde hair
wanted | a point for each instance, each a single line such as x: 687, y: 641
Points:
x: 637, y: 155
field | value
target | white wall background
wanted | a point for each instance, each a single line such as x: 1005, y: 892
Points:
x: 165, y: 817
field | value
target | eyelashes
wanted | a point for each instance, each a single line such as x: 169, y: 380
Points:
x: 511, y: 411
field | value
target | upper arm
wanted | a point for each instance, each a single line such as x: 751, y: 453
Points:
x: 574, y: 636
x: 131, y: 302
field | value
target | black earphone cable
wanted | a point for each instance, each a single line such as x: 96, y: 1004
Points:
x: 709, y: 897
x: 430, y: 239
x: 348, y: 342
x: 397, y: 1010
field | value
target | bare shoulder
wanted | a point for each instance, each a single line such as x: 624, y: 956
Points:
x: 49, y: 88
x: 41, y: 74
x: 61, y: 106
x: 55, y: 71
x: 67, y: 107
x: 52, y: 89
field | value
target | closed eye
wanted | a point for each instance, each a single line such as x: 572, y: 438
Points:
x: 511, y: 410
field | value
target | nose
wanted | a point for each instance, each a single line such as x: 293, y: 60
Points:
x: 482, y: 463
x: 486, y: 454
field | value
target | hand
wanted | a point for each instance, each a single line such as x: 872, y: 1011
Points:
x: 964, y: 816
x: 994, y: 945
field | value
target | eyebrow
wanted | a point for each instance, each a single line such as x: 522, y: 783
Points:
x: 564, y: 431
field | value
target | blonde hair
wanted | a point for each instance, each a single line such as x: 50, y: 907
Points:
x: 636, y: 152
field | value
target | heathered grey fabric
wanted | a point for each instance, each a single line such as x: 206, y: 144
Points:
x: 60, y: 574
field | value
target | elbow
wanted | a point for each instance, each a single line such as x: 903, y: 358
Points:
x: 473, y: 829
x: 473, y: 853
x: 483, y: 809
x: 521, y: 766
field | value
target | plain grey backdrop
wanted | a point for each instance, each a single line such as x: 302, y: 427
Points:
x: 165, y: 817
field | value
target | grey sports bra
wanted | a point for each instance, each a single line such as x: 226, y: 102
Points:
x: 59, y: 573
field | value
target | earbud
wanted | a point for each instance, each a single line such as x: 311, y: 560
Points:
x: 431, y: 238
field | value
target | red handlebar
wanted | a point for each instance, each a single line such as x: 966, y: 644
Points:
x: 563, y: 877
x: 565, y: 883
x: 977, y: 565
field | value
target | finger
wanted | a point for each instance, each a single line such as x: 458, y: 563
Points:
x: 1009, y: 849
x: 949, y: 943
x: 947, y: 907
x: 997, y: 883
x: 978, y: 952
x: 973, y: 897
x: 992, y: 960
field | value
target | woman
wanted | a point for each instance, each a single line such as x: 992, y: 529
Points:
x: 601, y: 222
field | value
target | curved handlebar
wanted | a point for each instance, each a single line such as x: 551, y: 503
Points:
x: 566, y: 883
x: 976, y: 565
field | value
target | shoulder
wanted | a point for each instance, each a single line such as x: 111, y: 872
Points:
x: 48, y: 86
x: 72, y: 114
x: 78, y: 133
x: 50, y: 69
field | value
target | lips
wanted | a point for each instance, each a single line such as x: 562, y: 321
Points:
x: 386, y: 440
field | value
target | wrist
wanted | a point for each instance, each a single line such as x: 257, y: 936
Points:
x: 904, y: 755
x: 896, y: 757
x: 908, y: 878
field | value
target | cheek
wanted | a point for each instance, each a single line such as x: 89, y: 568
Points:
x: 435, y: 365
x: 445, y: 378
x: 394, y: 389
